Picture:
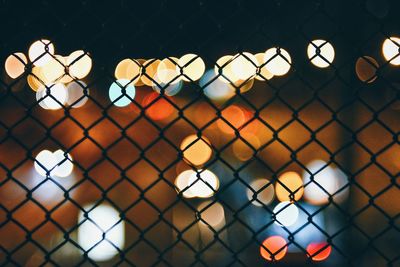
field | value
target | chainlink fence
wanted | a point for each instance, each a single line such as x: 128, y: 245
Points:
x: 209, y: 133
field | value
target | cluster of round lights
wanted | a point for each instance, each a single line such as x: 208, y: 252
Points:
x: 57, y: 163
x: 54, y: 78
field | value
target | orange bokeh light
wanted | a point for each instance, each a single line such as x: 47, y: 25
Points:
x: 160, y: 109
x: 290, y: 185
x: 273, y: 248
x: 319, y: 251
x: 235, y: 116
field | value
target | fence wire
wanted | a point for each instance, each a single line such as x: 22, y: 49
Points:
x: 236, y: 133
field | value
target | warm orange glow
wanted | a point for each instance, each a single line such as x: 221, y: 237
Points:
x: 235, y: 116
x: 245, y: 150
x: 160, y: 109
x: 193, y: 67
x: 273, y: 248
x: 79, y: 63
x: 195, y: 150
x: 150, y: 68
x: 213, y: 215
x: 36, y: 78
x: 319, y: 251
x: 15, y: 65
x: 223, y: 69
x: 167, y: 71
x: 128, y: 69
x: 366, y: 68
x: 293, y: 182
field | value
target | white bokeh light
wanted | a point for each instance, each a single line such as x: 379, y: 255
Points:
x: 77, y: 94
x: 391, y: 50
x: 45, y: 162
x: 286, y: 214
x: 105, y: 220
x: 182, y: 182
x: 53, y: 163
x: 116, y: 94
x: 278, y: 61
x: 325, y: 56
x: 53, y: 97
x: 203, y: 184
x: 244, y: 66
x: 214, y: 88
x: 64, y: 164
x: 40, y: 52
x: 265, y: 196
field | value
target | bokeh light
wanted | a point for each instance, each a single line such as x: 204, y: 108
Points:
x: 167, y: 72
x: 150, y: 69
x: 117, y: 94
x: 273, y: 248
x: 52, y: 96
x: 128, y: 69
x: 286, y: 214
x: 104, y: 221
x: 234, y: 118
x: 223, y: 69
x: 170, y: 89
x: 366, y: 68
x: 193, y: 67
x: 278, y: 61
x: 15, y: 65
x: 45, y: 162
x: 262, y: 72
x: 77, y: 94
x: 319, y: 251
x: 55, y: 163
x: 214, y: 88
x: 212, y: 214
x: 64, y: 163
x: 203, y: 184
x: 287, y: 184
x: 390, y: 50
x: 321, y: 53
x: 196, y: 150
x: 40, y: 52
x: 263, y: 190
x: 182, y: 182
x: 54, y: 70
x: 244, y: 66
x: 79, y: 64
x: 160, y: 109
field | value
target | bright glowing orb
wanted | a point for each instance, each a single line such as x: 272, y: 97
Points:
x: 273, y: 248
x: 77, y: 94
x: 128, y: 69
x: 79, y: 63
x: 286, y: 214
x: 366, y: 68
x: 196, y: 150
x: 321, y: 53
x: 319, y: 251
x: 287, y: 184
x: 263, y: 190
x: 150, y: 69
x: 223, y: 69
x: 203, y: 184
x: 167, y: 72
x: 390, y: 50
x: 53, y: 97
x: 117, y: 94
x: 45, y: 162
x: 278, y: 61
x: 104, y: 220
x: 214, y: 88
x: 262, y: 72
x: 15, y: 65
x: 244, y: 66
x: 64, y: 163
x: 40, y: 52
x: 182, y: 182
x: 193, y: 67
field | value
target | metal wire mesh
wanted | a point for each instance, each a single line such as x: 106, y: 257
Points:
x: 106, y: 161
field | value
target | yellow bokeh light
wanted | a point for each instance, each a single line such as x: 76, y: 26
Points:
x: 244, y: 66
x: 128, y: 69
x: 167, y: 71
x: 278, y: 61
x: 245, y: 150
x: 263, y: 190
x: 182, y: 182
x: 141, y: 61
x: 54, y: 70
x: 36, y: 79
x: 203, y: 184
x: 40, y: 52
x: 211, y: 214
x: 15, y: 65
x: 321, y: 53
x: 150, y: 69
x: 223, y: 69
x: 262, y: 72
x: 195, y: 150
x: 287, y: 184
x: 390, y: 50
x: 79, y: 64
x: 366, y: 68
x: 193, y: 67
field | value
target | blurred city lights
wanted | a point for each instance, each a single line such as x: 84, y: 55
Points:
x: 390, y: 50
x: 44, y: 163
x: 273, y: 248
x: 102, y: 233
x: 193, y: 67
x: 15, y: 65
x: 117, y: 94
x: 262, y: 72
x: 287, y: 184
x: 196, y: 150
x: 244, y: 66
x: 182, y: 182
x: 150, y: 69
x: 55, y: 163
x: 321, y: 53
x: 79, y: 64
x: 167, y: 71
x: 128, y: 69
x: 278, y: 61
x: 203, y: 184
x: 286, y: 214
x: 319, y: 251
x: 40, y: 52
x: 223, y: 69
x: 64, y: 163
x: 263, y: 190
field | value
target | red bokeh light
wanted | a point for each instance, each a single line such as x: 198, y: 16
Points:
x: 273, y: 248
x: 319, y: 251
